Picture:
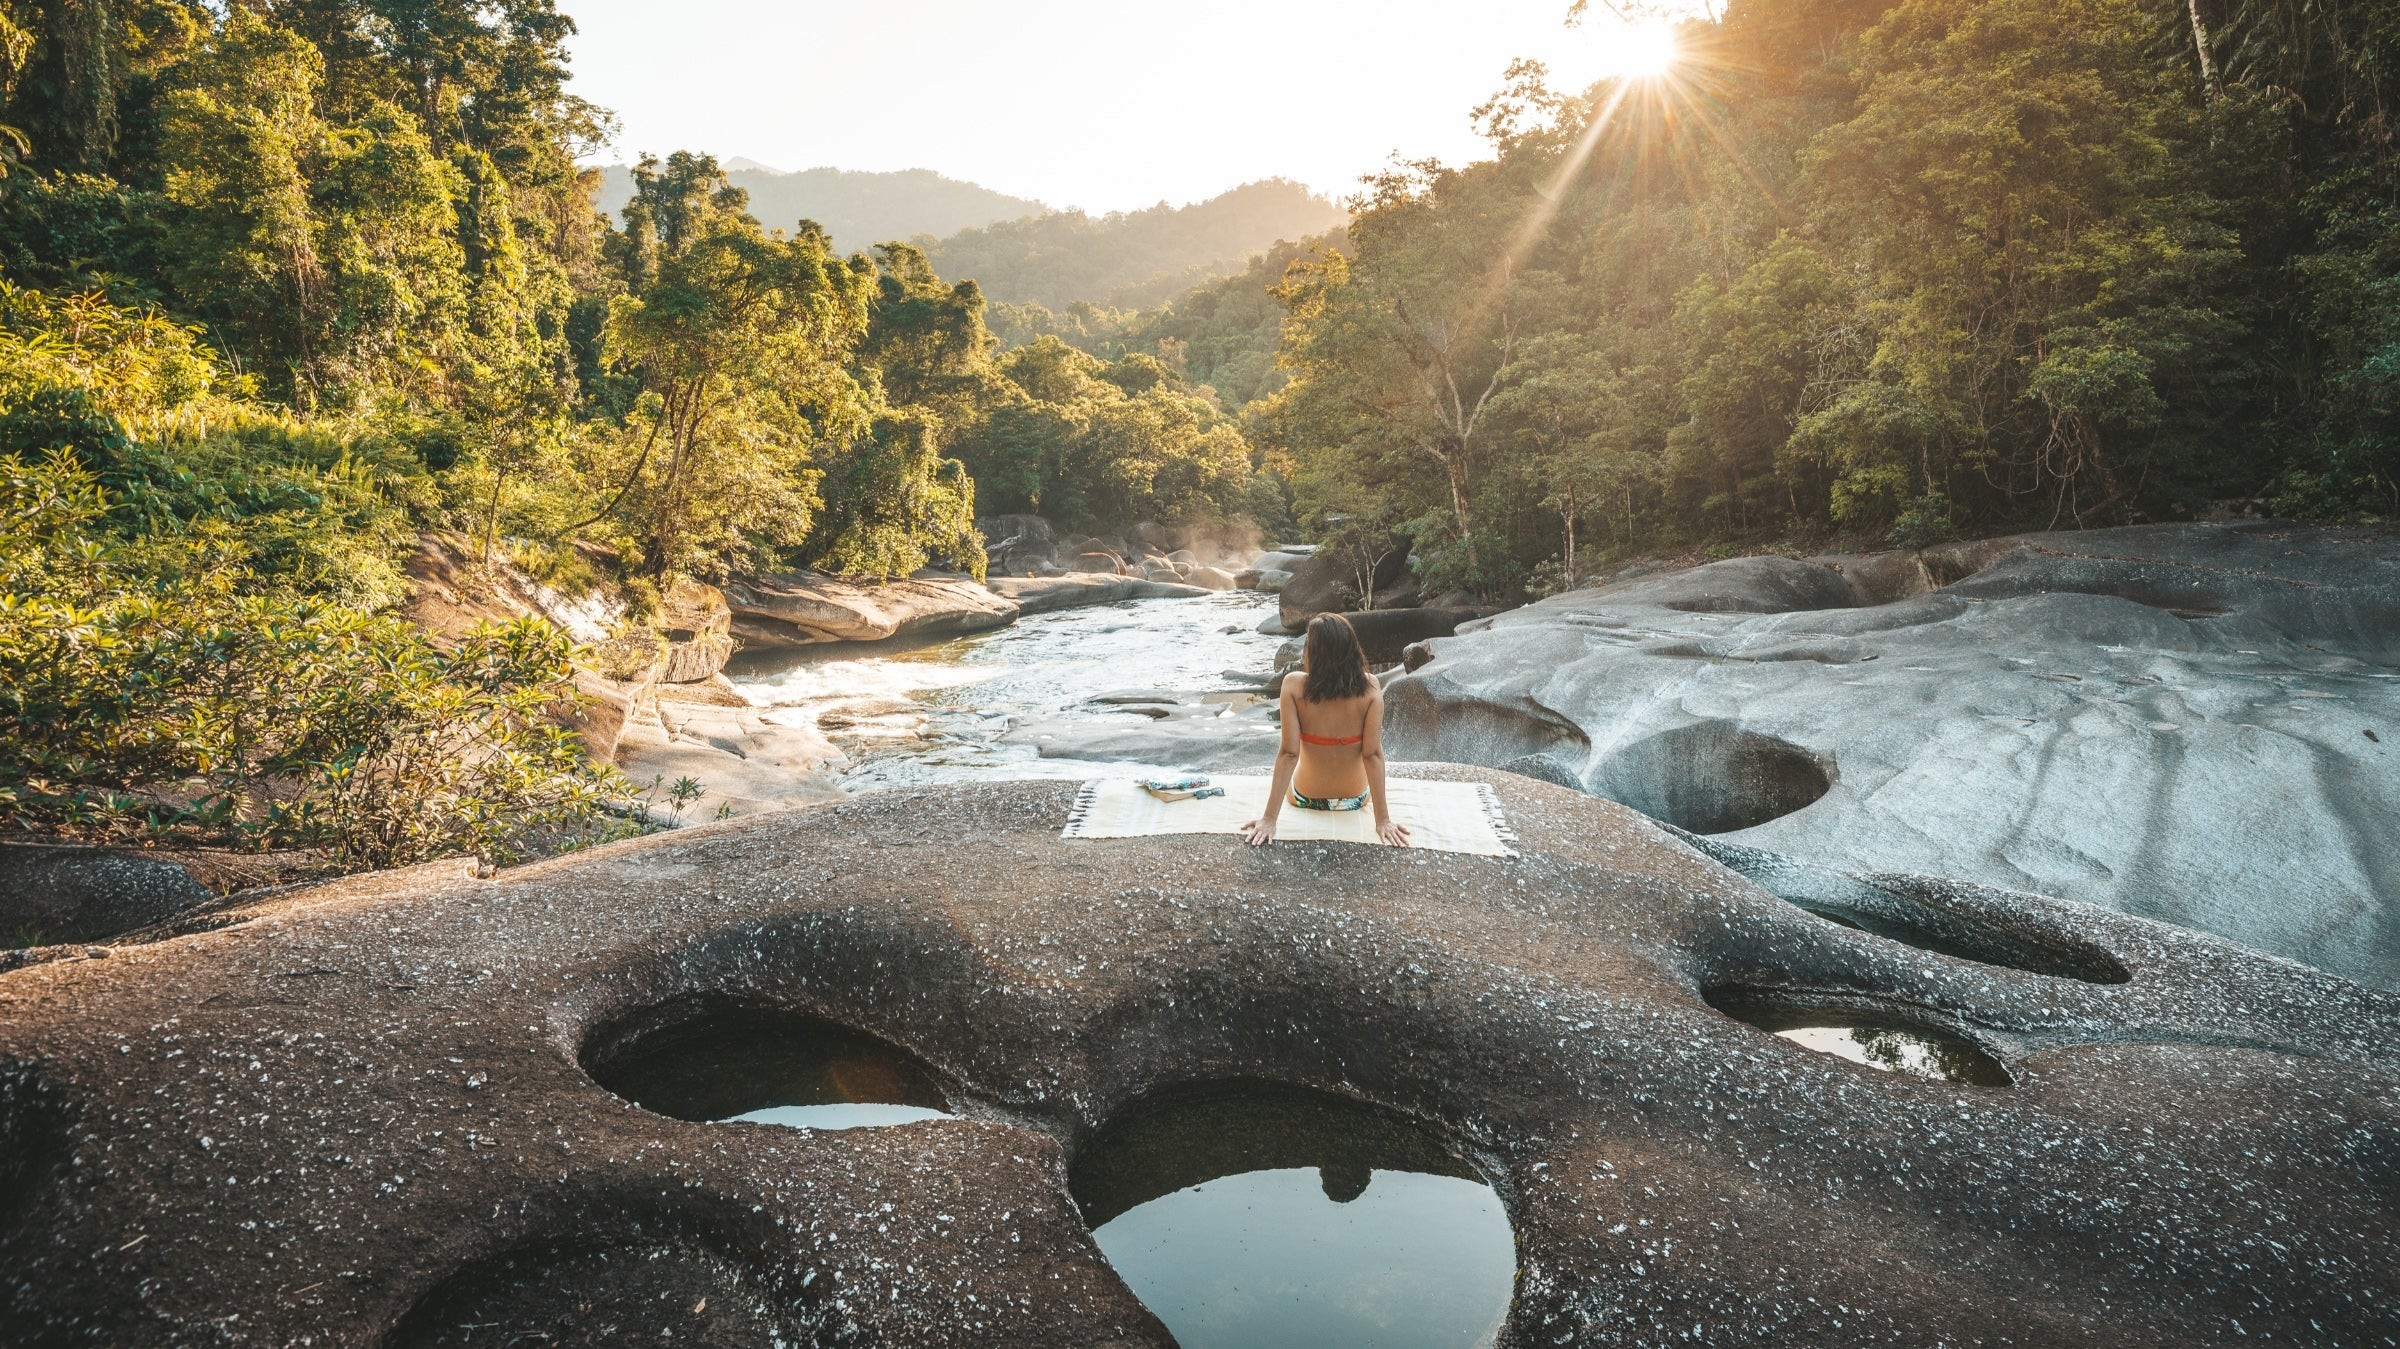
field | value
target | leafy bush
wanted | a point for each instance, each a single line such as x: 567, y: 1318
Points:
x: 186, y: 701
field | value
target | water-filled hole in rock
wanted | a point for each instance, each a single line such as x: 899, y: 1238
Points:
x: 1867, y: 1038
x: 1258, y: 1216
x: 764, y: 1066
x: 1713, y: 777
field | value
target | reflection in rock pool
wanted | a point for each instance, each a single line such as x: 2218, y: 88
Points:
x: 766, y: 1067
x: 861, y: 1115
x: 1892, y: 1046
x: 1274, y: 1218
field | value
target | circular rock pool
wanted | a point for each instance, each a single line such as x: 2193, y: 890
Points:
x: 1268, y: 1217
x: 765, y: 1067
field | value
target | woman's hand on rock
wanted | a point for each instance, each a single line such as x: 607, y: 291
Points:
x: 1259, y: 832
x: 1392, y: 832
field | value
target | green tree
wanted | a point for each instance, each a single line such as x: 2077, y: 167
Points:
x: 893, y: 504
x: 1401, y: 350
x: 326, y: 253
x: 740, y: 340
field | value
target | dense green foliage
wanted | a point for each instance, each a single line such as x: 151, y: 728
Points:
x: 1886, y: 269
x: 859, y: 210
x: 1089, y: 443
x: 285, y: 286
x: 1131, y: 259
x: 195, y: 641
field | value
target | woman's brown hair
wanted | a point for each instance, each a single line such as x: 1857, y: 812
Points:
x: 1335, y: 662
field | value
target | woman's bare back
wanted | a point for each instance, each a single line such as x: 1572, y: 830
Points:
x: 1332, y: 760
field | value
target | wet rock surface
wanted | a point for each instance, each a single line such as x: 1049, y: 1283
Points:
x: 2196, y: 723
x: 362, y: 1116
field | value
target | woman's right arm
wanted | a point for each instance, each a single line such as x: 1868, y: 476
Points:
x: 1370, y: 753
x: 1287, y: 762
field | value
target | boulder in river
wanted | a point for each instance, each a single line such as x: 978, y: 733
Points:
x: 1018, y: 545
x: 1385, y: 633
x: 1038, y: 595
x: 2199, y: 723
x: 804, y: 608
x: 1328, y: 583
x: 1202, y: 743
x: 380, y: 1110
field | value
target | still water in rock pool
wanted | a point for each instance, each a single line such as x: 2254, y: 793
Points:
x: 767, y: 1066
x: 938, y: 713
x: 1902, y: 1049
x: 1266, y: 1220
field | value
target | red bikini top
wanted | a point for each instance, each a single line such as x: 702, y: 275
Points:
x: 1308, y: 739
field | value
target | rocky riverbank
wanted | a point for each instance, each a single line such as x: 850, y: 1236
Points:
x: 2197, y: 722
x: 361, y: 1112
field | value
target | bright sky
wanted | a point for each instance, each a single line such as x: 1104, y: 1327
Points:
x: 1103, y: 104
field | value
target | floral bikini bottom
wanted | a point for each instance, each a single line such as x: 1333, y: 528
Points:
x: 1329, y: 802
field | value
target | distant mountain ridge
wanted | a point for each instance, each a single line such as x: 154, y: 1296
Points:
x: 1019, y: 250
x: 1132, y: 259
x: 859, y: 209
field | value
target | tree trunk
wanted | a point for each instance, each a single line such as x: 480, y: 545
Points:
x: 491, y: 514
x: 1456, y: 463
x: 2208, y: 60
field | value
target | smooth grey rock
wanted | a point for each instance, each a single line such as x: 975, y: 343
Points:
x: 379, y: 1111
x: 1132, y: 697
x: 1039, y: 595
x: 1329, y: 583
x: 1018, y: 545
x: 2199, y: 723
x: 1207, y: 743
x: 803, y: 609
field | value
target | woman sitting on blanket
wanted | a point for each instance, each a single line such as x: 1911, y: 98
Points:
x: 1332, y: 755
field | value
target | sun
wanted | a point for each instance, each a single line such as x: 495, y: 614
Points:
x: 1641, y: 50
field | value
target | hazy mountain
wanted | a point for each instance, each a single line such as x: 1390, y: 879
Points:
x: 1135, y: 258
x: 860, y: 210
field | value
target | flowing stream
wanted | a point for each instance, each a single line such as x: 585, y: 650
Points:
x: 936, y: 713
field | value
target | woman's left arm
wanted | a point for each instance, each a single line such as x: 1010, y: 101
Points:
x: 1370, y: 750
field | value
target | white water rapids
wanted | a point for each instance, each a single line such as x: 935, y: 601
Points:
x: 936, y: 713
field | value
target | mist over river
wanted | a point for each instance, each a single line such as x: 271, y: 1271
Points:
x: 909, y: 715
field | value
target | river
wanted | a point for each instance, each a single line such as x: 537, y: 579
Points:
x: 939, y: 713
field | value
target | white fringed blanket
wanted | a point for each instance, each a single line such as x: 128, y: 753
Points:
x: 1445, y: 816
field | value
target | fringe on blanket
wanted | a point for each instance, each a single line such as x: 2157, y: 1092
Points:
x: 1080, y: 813
x: 1492, y: 814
